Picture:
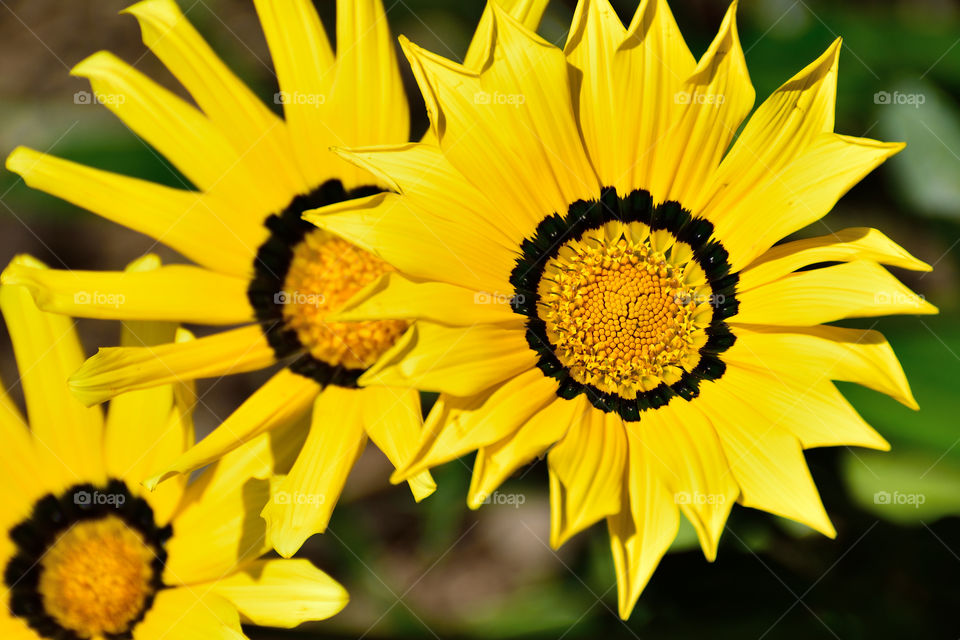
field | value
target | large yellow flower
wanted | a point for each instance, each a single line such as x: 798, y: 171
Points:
x: 257, y: 263
x: 592, y: 270
x: 87, y: 552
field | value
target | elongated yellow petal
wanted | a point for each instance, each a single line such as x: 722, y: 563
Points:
x: 527, y: 12
x: 778, y: 132
x: 67, y: 435
x: 823, y: 352
x: 495, y: 462
x: 285, y: 398
x: 188, y: 614
x: 302, y: 502
x: 858, y: 243
x: 116, y: 370
x: 707, y: 109
x: 253, y: 130
x: 422, y: 243
x: 683, y: 446
x: 180, y: 132
x: 393, y: 421
x: 394, y: 296
x: 457, y: 426
x: 456, y: 360
x: 178, y: 293
x: 19, y: 461
x: 645, y: 526
x: 282, y: 593
x: 586, y: 474
x: 853, y: 290
x: 200, y: 226
x: 802, y: 193
x: 765, y: 459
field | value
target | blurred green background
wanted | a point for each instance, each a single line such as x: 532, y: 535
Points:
x: 439, y: 570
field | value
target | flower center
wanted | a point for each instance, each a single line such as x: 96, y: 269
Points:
x: 96, y: 577
x: 625, y: 309
x: 324, y: 274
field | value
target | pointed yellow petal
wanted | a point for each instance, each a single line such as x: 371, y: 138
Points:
x: 302, y: 502
x: 586, y: 474
x: 527, y: 12
x: 852, y: 290
x: 68, y: 436
x: 282, y: 593
x: 117, y: 370
x: 393, y: 421
x: 497, y: 461
x: 187, y: 614
x: 199, y: 226
x: 178, y: 293
x: 460, y: 361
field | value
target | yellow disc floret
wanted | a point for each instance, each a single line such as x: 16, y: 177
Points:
x: 625, y: 308
x: 96, y: 578
x: 325, y: 273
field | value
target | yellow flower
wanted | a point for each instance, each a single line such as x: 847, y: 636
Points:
x: 87, y: 552
x: 258, y: 264
x: 592, y: 271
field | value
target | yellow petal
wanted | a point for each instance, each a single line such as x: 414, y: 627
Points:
x: 19, y: 461
x: 457, y: 426
x: 527, y: 12
x: 305, y: 70
x: 282, y: 593
x: 180, y: 132
x: 802, y: 193
x: 858, y: 243
x: 833, y: 353
x: 586, y: 474
x: 302, y: 502
x: 116, y: 370
x: 707, y: 109
x: 394, y: 296
x: 189, y: 614
x: 645, y: 527
x: 67, y: 435
x: 179, y: 293
x: 852, y: 290
x: 392, y: 419
x: 198, y: 225
x: 283, y: 399
x: 253, y: 130
x: 497, y: 461
x: 766, y: 460
x: 780, y: 130
x: 429, y: 244
x: 455, y: 360
x: 683, y: 446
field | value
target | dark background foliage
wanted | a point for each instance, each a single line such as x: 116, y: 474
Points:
x: 440, y: 570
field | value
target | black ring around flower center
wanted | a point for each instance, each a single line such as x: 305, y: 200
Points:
x: 271, y: 266
x: 556, y: 230
x: 52, y: 516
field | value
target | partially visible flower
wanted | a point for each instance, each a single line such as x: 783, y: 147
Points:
x: 87, y: 552
x: 592, y: 270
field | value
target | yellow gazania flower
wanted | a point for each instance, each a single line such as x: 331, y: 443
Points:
x: 592, y: 273
x: 87, y: 552
x: 257, y: 263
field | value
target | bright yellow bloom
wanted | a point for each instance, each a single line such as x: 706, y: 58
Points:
x: 257, y: 263
x: 87, y: 552
x: 591, y: 266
